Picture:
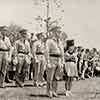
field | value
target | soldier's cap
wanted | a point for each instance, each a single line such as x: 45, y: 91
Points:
x: 23, y: 31
x: 32, y: 33
x: 3, y: 28
x: 40, y: 34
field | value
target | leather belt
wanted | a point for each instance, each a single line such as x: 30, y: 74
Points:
x: 55, y: 55
x: 26, y: 53
x: 69, y: 61
x: 39, y: 53
x: 5, y: 50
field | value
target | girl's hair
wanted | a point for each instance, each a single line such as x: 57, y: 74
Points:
x: 68, y: 44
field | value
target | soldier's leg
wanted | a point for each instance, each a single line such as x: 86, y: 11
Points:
x: 24, y: 71
x: 36, y: 74
x: 3, y: 70
x: 50, y: 76
x: 84, y: 70
x: 1, y: 58
x: 9, y: 74
x: 18, y: 71
x: 54, y: 84
x: 78, y: 69
x: 31, y: 71
x: 27, y: 68
x: 41, y: 73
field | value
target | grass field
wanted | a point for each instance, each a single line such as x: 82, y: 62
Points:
x: 82, y: 90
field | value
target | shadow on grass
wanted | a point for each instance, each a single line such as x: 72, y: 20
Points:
x: 38, y: 95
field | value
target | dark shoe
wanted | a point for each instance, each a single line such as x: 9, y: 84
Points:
x: 50, y: 95
x: 2, y: 85
x: 82, y: 78
x: 36, y: 84
x: 19, y: 84
x: 8, y: 81
x: 55, y: 94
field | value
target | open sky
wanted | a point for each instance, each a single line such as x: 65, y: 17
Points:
x: 81, y: 18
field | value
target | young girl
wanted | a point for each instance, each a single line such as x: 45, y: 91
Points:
x: 70, y: 66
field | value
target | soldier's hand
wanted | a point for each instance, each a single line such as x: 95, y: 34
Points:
x: 15, y: 61
x: 49, y: 65
x: 61, y: 69
x: 9, y: 59
x: 37, y: 61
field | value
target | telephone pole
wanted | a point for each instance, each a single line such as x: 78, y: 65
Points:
x: 47, y: 15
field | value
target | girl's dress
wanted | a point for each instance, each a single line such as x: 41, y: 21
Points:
x: 70, y: 65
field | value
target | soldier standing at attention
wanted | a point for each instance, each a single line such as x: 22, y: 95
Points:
x: 33, y: 39
x: 5, y: 54
x: 85, y: 63
x: 39, y: 56
x: 22, y: 49
x: 54, y: 57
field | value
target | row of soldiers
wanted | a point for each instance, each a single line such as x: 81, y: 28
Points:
x: 41, y: 54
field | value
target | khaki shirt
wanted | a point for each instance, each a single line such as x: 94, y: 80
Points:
x: 6, y: 44
x: 38, y: 47
x: 52, y: 47
x: 22, y: 46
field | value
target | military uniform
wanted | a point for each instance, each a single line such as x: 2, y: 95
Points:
x: 54, y: 57
x: 33, y: 39
x: 84, y: 64
x: 38, y: 54
x: 5, y: 57
x: 22, y: 49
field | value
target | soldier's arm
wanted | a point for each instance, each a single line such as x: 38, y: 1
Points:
x: 47, y: 52
x: 9, y: 47
x: 15, y: 49
x: 34, y: 48
x: 29, y: 49
x: 62, y: 58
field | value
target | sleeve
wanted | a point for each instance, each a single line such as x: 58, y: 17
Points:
x: 15, y: 50
x: 62, y: 51
x: 34, y: 47
x: 29, y: 49
x: 9, y: 46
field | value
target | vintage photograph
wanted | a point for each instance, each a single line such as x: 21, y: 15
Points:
x: 49, y: 50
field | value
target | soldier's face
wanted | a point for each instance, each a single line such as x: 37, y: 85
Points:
x: 4, y: 33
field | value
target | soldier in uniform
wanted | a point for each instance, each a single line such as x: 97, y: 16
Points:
x: 33, y: 39
x: 5, y: 54
x: 22, y: 49
x: 55, y: 60
x: 38, y: 54
x: 85, y: 63
x: 79, y: 60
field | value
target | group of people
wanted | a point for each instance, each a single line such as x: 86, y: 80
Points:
x: 45, y: 60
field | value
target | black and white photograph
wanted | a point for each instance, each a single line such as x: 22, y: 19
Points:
x: 49, y: 49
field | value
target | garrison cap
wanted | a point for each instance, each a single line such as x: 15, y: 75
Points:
x: 3, y: 28
x: 23, y: 31
x: 40, y: 34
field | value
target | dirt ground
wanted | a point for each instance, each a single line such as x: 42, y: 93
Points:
x: 82, y: 90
